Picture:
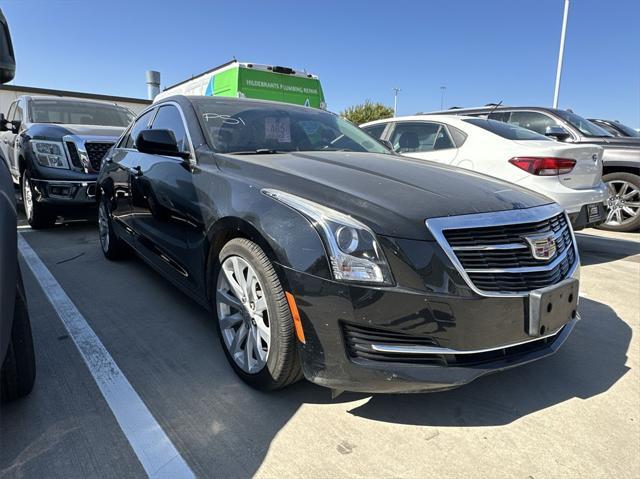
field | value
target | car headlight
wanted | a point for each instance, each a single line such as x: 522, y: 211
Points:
x: 354, y: 252
x: 50, y: 153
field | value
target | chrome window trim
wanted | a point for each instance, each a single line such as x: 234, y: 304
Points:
x: 437, y: 226
x: 419, y: 349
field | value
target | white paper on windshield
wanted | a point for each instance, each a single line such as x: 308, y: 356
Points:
x: 278, y: 129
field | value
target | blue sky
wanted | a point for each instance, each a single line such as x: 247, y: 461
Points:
x: 482, y: 51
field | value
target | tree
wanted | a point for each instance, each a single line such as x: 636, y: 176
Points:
x: 367, y: 111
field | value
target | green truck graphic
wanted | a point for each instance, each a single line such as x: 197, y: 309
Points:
x: 250, y: 80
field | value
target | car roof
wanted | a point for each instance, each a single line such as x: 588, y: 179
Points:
x: 222, y: 100
x: 69, y: 99
x: 483, y: 109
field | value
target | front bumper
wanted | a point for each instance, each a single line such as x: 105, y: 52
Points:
x: 65, y: 193
x: 466, y: 337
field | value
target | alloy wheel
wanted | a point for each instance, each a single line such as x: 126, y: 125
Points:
x: 243, y: 314
x: 623, y: 204
x: 103, y: 227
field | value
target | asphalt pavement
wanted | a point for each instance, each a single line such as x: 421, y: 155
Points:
x: 575, y: 414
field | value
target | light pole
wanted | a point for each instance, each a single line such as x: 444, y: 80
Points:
x: 395, y: 101
x: 556, y: 92
x: 442, y: 90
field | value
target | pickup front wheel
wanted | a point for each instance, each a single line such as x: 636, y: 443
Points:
x: 623, y: 204
x: 38, y: 215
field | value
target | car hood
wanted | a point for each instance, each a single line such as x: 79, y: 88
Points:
x: 53, y: 131
x: 393, y: 195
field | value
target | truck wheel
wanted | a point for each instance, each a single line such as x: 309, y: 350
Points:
x: 18, y: 371
x: 253, y: 317
x: 38, y: 215
x: 623, y: 204
x: 112, y: 246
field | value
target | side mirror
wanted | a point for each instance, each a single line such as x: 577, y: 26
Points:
x: 557, y: 132
x: 387, y: 143
x: 7, y: 58
x: 15, y: 126
x: 3, y: 123
x: 159, y: 142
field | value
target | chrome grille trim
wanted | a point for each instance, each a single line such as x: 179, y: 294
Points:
x: 437, y: 227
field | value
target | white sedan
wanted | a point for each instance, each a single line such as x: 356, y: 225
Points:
x: 571, y: 175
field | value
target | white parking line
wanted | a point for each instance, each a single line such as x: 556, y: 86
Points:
x: 156, y: 453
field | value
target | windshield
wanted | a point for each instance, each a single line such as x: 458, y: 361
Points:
x: 79, y: 113
x: 246, y: 127
x: 585, y: 126
x: 506, y: 130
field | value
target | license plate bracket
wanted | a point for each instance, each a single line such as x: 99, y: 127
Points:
x: 593, y: 212
x: 552, y: 307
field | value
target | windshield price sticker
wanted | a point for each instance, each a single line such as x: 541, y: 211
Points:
x: 278, y: 129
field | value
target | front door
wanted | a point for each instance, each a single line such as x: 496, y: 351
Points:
x: 161, y: 187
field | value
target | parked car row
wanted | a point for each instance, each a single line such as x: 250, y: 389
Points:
x: 621, y: 155
x: 569, y: 174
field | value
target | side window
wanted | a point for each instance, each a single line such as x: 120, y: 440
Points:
x: 169, y: 118
x: 532, y: 120
x: 420, y: 136
x: 459, y: 136
x: 12, y: 110
x: 500, y: 116
x: 375, y: 130
x: 141, y: 123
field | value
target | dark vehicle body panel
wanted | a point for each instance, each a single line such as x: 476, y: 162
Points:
x: 8, y: 256
x: 177, y: 214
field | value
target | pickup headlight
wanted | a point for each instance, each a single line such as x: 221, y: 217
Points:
x: 50, y: 153
x: 354, y: 252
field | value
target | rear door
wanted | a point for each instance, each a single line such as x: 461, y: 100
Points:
x: 121, y: 169
x: 424, y: 140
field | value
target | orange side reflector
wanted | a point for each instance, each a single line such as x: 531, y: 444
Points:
x: 296, y: 317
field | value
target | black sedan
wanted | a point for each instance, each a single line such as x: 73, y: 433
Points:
x: 322, y: 254
x: 616, y: 128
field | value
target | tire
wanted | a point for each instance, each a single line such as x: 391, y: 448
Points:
x: 623, y: 205
x: 282, y: 364
x: 18, y: 372
x: 39, y: 216
x: 111, y: 245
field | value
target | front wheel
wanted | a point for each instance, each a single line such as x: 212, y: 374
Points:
x: 112, y: 246
x: 253, y: 317
x: 38, y: 215
x: 623, y: 204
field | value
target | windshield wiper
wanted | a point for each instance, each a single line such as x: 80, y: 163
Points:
x: 259, y: 151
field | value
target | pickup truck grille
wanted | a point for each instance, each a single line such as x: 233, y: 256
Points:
x: 498, y: 259
x: 96, y: 151
x: 73, y: 153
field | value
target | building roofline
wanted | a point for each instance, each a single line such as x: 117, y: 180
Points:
x: 77, y: 94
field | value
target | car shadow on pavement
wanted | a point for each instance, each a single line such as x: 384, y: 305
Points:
x: 590, y: 362
x: 601, y: 249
